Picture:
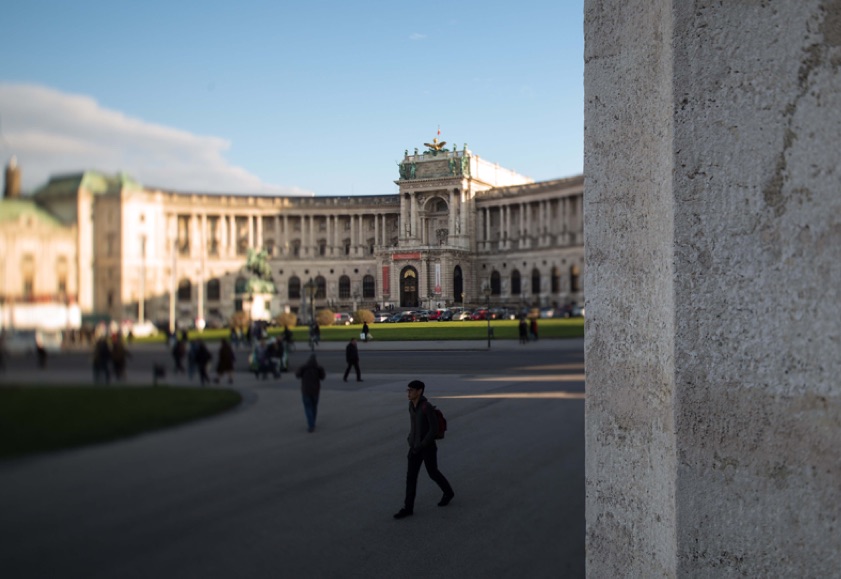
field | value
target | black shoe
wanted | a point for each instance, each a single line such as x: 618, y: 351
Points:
x: 402, y: 514
x: 360, y: 380
x: 445, y: 500
x: 345, y: 379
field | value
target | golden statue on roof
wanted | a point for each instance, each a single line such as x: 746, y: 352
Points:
x: 435, y: 145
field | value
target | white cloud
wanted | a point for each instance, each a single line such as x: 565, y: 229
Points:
x: 417, y: 36
x: 52, y: 132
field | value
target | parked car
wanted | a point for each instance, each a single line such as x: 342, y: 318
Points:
x: 463, y: 315
x: 380, y: 317
x: 25, y: 341
x: 406, y: 317
x: 342, y: 319
x: 480, y: 314
x: 138, y: 329
x: 446, y: 316
x: 435, y: 315
x: 421, y: 315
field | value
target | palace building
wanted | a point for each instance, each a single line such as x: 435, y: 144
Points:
x: 457, y: 226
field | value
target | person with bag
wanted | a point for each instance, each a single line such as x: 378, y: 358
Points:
x: 424, y: 429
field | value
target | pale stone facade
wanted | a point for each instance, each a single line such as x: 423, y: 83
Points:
x: 458, y: 224
x: 713, y: 336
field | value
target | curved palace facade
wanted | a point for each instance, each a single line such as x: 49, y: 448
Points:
x: 457, y: 225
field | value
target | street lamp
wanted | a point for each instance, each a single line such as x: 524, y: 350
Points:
x: 309, y: 291
x: 487, y: 292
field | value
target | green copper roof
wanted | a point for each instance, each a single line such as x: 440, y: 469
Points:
x: 15, y: 209
x: 94, y: 181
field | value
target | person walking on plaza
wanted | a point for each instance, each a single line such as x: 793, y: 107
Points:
x: 119, y: 356
x: 423, y: 428
x: 365, y: 331
x: 533, y: 329
x: 524, y: 331
x: 311, y: 375
x: 178, y: 351
x: 225, y: 362
x: 203, y: 356
x: 352, y: 358
x: 101, y: 360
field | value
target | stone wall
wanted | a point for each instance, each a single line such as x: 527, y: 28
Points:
x: 713, y: 245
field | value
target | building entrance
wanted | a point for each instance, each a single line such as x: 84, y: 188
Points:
x: 409, y: 288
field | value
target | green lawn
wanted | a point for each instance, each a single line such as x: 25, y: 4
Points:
x: 502, y: 329
x: 40, y: 419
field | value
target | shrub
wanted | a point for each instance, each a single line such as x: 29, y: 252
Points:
x: 240, y: 320
x: 325, y: 317
x: 287, y: 319
x: 361, y: 316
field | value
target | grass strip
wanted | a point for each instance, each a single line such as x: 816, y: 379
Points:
x: 41, y: 419
x: 419, y: 331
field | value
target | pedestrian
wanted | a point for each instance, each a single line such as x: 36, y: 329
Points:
x: 534, y: 329
x: 234, y: 337
x: 2, y: 349
x: 119, y: 356
x: 365, y: 331
x: 288, y: 339
x: 192, y: 364
x: 524, y: 331
x: 203, y: 356
x: 101, y: 361
x: 311, y: 375
x: 352, y: 358
x: 40, y: 351
x: 225, y: 362
x: 423, y: 428
x: 178, y: 351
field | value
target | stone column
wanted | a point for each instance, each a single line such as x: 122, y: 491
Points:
x: 276, y: 236
x: 713, y: 247
x: 285, y: 247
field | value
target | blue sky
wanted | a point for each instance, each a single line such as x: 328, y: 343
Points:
x: 317, y: 97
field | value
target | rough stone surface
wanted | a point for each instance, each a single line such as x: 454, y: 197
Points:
x: 713, y: 246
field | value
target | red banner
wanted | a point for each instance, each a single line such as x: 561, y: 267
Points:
x: 386, y: 281
x: 399, y: 256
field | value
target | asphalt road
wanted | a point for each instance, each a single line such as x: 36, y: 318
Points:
x: 252, y: 494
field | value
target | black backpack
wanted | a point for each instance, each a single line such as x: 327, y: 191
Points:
x: 442, y: 422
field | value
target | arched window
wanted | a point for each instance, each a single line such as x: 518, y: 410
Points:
x: 241, y: 286
x: 458, y: 285
x: 213, y: 290
x: 320, y: 288
x: 369, y: 290
x: 344, y: 287
x: 556, y: 280
x: 496, y: 284
x: 535, y: 281
x: 294, y: 292
x: 185, y: 290
x: 574, y: 279
x: 516, y: 286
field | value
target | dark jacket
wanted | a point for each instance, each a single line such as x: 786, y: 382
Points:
x: 311, y: 375
x: 351, y: 353
x: 226, y: 358
x: 423, y: 424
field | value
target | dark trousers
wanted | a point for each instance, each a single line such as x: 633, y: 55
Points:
x: 353, y: 365
x: 429, y: 457
x: 310, y: 409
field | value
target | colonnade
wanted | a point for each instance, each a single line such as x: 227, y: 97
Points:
x: 529, y: 224
x: 293, y: 234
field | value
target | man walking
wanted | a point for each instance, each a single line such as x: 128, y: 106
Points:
x: 423, y: 428
x: 311, y: 375
x: 352, y: 358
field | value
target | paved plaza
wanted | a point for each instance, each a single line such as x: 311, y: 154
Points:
x: 251, y: 494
